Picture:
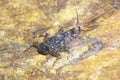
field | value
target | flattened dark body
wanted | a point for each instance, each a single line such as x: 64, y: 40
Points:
x: 58, y: 43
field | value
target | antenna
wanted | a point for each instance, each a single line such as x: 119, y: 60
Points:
x: 76, y: 12
x: 28, y: 48
x: 35, y: 44
x: 78, y: 23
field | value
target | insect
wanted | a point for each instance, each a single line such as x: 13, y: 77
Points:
x: 59, y: 42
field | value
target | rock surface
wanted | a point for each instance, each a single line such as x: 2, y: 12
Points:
x: 24, y: 21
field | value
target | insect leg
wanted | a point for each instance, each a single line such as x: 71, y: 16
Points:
x: 55, y: 54
x: 46, y: 36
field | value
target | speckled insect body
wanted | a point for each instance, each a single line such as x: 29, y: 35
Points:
x: 58, y: 43
x: 62, y: 42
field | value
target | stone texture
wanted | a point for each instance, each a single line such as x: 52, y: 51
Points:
x: 20, y: 19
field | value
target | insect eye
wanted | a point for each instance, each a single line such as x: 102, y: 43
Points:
x: 47, y: 48
x: 43, y: 47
